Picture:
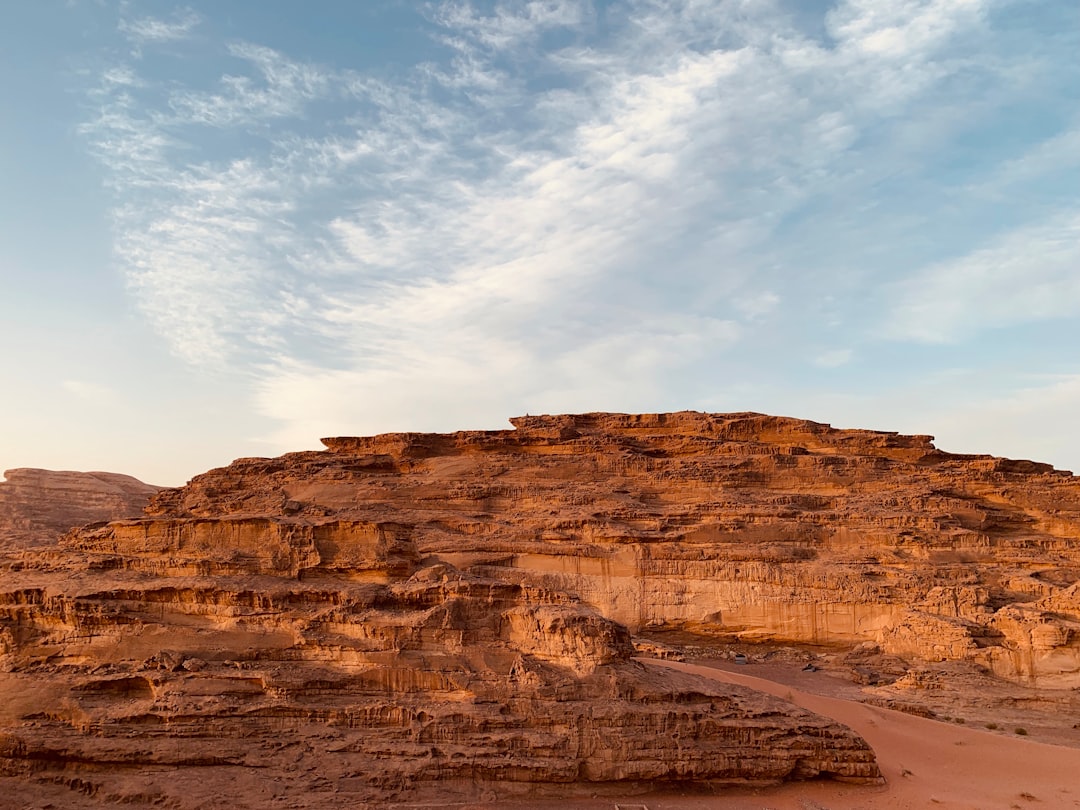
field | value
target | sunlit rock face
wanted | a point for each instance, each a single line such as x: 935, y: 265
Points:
x: 369, y: 690
x: 367, y: 624
x: 419, y: 614
x: 760, y: 527
x: 37, y: 506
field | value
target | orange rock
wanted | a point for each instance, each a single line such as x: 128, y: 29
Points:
x: 753, y: 526
x: 407, y: 609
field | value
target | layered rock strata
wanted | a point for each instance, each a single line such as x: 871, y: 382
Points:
x: 760, y: 527
x: 335, y: 663
x: 411, y: 610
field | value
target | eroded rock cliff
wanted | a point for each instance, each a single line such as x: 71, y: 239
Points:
x: 302, y: 646
x: 408, y: 609
x: 367, y: 692
x: 760, y: 527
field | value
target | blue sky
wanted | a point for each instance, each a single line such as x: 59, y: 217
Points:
x: 230, y: 228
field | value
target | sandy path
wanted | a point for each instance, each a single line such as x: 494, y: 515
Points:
x: 927, y: 763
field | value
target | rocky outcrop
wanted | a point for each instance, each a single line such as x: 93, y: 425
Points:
x: 410, y: 609
x: 37, y: 506
x: 741, y: 525
x: 184, y: 645
x: 269, y: 619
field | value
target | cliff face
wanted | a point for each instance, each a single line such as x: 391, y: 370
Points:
x: 740, y: 524
x: 411, y: 609
x: 359, y: 626
x: 37, y: 506
x: 365, y: 690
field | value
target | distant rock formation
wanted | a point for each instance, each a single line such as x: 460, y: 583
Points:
x: 37, y: 506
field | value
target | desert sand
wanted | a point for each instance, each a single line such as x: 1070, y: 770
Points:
x: 927, y: 763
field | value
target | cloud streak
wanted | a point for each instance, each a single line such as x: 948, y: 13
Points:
x: 150, y: 30
x: 562, y: 204
x: 1028, y: 275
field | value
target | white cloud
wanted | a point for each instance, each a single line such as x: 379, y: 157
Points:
x: 834, y: 358
x: 1030, y: 274
x: 509, y: 25
x: 1043, y: 162
x: 450, y: 379
x: 120, y: 76
x: 147, y: 30
x: 281, y: 90
x: 757, y: 305
x: 899, y: 28
x: 457, y: 234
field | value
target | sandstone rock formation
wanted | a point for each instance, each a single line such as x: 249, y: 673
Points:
x: 752, y: 526
x: 408, y: 608
x: 368, y: 691
x: 37, y: 506
x: 242, y: 628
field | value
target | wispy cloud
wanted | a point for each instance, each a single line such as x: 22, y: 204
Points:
x: 151, y: 30
x: 757, y: 305
x: 898, y: 30
x: 281, y: 89
x: 509, y: 25
x: 1027, y: 275
x: 558, y: 202
x: 92, y: 393
x: 834, y: 358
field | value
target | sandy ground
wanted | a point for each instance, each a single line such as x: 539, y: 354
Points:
x: 926, y: 763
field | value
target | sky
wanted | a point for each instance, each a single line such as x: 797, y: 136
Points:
x: 230, y: 228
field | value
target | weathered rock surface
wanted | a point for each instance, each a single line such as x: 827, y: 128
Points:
x: 411, y: 608
x: 37, y: 506
x: 287, y: 641
x: 373, y: 690
x: 760, y: 527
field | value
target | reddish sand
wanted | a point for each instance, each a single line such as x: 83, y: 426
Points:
x: 927, y: 763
